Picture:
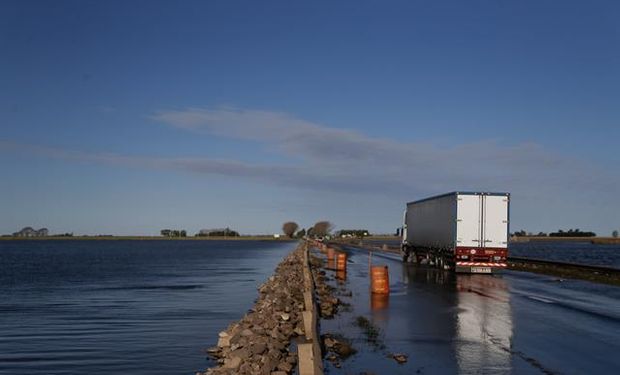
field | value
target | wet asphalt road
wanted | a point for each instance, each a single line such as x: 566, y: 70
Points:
x: 516, y: 322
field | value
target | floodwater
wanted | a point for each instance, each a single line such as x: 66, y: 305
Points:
x: 518, y: 323
x: 123, y: 307
x: 583, y: 252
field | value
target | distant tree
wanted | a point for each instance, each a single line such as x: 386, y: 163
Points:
x: 226, y: 232
x: 301, y: 233
x: 289, y: 228
x: 322, y: 228
x: 572, y: 233
x: 614, y: 234
x: 310, y: 232
x: 173, y: 233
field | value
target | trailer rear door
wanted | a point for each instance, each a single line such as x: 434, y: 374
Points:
x: 495, y: 228
x: 469, y: 216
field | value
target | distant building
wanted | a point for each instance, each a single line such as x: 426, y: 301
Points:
x: 208, y: 232
x: 31, y: 232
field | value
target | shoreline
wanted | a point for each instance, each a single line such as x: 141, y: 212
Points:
x: 147, y: 238
x: 279, y: 332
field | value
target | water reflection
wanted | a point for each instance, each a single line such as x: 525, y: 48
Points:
x: 474, y: 311
x: 341, y: 276
x: 379, y: 302
x: 484, y: 324
x: 331, y: 264
x: 412, y: 274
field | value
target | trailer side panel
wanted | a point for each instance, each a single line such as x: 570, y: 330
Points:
x: 430, y: 223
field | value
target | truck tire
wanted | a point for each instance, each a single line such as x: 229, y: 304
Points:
x: 404, y: 252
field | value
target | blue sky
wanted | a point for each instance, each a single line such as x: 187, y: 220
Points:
x: 127, y: 117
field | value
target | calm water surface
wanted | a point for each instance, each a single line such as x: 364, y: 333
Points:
x: 576, y: 252
x: 133, y: 307
x: 562, y: 251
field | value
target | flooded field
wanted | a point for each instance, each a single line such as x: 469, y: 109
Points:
x: 123, y: 307
x: 562, y: 251
x: 569, y: 251
x: 446, y: 323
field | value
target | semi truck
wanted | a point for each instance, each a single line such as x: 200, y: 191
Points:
x: 460, y: 231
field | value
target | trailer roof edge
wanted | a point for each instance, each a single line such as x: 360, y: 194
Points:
x: 503, y: 194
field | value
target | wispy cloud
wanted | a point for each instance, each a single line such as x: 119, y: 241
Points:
x: 348, y: 161
x: 348, y: 158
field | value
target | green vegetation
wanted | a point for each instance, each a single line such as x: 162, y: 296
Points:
x: 370, y: 330
x: 572, y: 233
x: 173, y: 233
x: 348, y: 233
x: 559, y: 233
x: 301, y: 233
x: 226, y: 232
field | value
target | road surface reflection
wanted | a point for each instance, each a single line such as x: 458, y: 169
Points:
x: 490, y: 324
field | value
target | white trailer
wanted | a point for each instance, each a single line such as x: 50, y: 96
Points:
x: 463, y: 231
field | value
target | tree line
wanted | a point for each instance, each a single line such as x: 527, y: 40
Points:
x: 319, y: 229
x: 560, y: 233
x: 226, y: 232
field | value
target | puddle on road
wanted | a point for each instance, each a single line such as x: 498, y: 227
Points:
x: 443, y: 324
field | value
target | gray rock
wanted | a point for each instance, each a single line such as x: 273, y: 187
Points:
x: 247, y: 332
x: 285, y: 366
x: 223, y: 342
x: 258, y: 348
x: 232, y: 362
x: 400, y: 358
x: 242, y: 353
x: 329, y: 342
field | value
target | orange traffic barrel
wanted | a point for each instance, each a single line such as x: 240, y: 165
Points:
x: 379, y: 280
x: 341, y: 261
x: 330, y: 253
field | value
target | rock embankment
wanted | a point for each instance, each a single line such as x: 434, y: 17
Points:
x: 328, y: 303
x: 259, y: 342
